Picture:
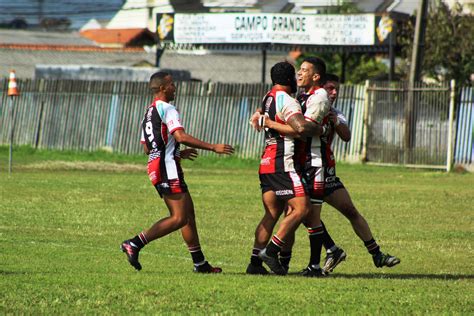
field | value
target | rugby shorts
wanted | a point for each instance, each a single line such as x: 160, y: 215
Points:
x: 162, y: 184
x: 314, y: 180
x: 331, y: 181
x: 286, y: 185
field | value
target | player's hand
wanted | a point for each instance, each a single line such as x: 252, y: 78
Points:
x: 255, y: 121
x: 333, y: 117
x: 189, y: 153
x: 223, y: 149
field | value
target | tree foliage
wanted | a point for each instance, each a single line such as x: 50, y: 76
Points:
x: 449, y: 44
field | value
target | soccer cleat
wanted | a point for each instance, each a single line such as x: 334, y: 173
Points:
x: 382, y: 259
x: 272, y: 262
x: 131, y: 251
x: 333, y: 259
x: 251, y: 269
x: 311, y: 272
x: 206, y: 268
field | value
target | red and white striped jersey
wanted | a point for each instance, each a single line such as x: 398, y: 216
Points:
x: 160, y: 121
x: 279, y: 149
x: 315, y: 105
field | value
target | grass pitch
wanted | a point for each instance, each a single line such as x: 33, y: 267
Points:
x: 62, y: 224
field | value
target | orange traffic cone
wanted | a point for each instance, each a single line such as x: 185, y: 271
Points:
x: 12, y: 86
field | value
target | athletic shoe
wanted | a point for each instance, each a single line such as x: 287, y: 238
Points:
x: 285, y: 267
x: 207, y: 268
x: 272, y: 262
x: 311, y: 272
x: 382, y: 259
x: 131, y: 250
x: 251, y: 269
x: 333, y: 259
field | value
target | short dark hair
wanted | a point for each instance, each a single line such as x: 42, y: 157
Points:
x: 283, y: 73
x: 157, y: 80
x: 332, y: 77
x: 318, y: 64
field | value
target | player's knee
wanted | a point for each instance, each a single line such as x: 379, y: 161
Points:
x: 350, y: 212
x: 179, y: 221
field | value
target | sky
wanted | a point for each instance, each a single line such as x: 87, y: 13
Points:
x: 77, y: 11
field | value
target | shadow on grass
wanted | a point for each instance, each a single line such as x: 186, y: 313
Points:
x: 403, y: 276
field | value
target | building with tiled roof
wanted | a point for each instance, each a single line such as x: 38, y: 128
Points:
x: 120, y: 37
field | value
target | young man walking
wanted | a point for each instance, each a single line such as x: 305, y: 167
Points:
x: 162, y: 133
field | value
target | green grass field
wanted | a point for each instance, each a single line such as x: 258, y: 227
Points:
x: 62, y: 224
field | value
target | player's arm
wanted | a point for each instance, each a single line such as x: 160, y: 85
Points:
x: 145, y: 149
x: 341, y: 127
x: 297, y: 126
x: 254, y: 119
x: 182, y: 137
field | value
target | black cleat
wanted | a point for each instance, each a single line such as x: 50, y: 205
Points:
x: 385, y: 260
x: 311, y: 272
x: 333, y: 259
x: 272, y: 262
x: 259, y: 270
x: 207, y: 268
x: 131, y: 250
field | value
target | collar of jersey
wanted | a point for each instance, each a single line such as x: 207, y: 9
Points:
x: 313, y: 89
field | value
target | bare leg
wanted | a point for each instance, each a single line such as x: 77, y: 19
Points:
x: 177, y: 206
x: 341, y: 201
x: 273, y: 209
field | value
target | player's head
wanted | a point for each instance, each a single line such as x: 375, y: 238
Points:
x: 332, y: 87
x: 312, y: 72
x: 162, y: 85
x: 283, y: 73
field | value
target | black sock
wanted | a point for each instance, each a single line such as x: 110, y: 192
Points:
x: 274, y: 247
x: 327, y: 240
x: 285, y: 258
x: 139, y: 240
x: 316, y: 244
x: 372, y: 247
x: 255, y: 259
x: 197, y: 255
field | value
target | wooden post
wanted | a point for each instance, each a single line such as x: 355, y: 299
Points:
x: 366, y: 122
x: 452, y: 99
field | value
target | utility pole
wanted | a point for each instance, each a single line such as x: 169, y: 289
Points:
x: 415, y: 75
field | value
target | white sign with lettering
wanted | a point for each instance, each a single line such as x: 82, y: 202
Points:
x: 319, y: 29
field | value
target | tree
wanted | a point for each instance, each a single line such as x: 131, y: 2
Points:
x: 448, y: 46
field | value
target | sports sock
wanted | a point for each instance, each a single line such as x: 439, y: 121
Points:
x: 372, y: 247
x: 197, y: 255
x: 316, y: 243
x: 274, y: 247
x: 285, y: 258
x: 328, y: 243
x: 255, y: 259
x: 139, y: 240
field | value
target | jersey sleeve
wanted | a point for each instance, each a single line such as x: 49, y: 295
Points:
x: 172, y: 120
x: 317, y: 107
x: 287, y: 106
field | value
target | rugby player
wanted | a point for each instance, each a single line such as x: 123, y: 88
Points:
x: 280, y: 182
x: 162, y: 134
x: 334, y: 192
x: 336, y: 195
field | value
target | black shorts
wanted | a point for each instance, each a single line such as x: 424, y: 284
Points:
x: 286, y: 185
x: 331, y: 181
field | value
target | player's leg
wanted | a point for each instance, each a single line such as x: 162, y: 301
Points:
x: 273, y: 209
x: 176, y: 204
x: 191, y: 238
x: 341, y: 200
x: 299, y: 208
x: 315, y: 232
